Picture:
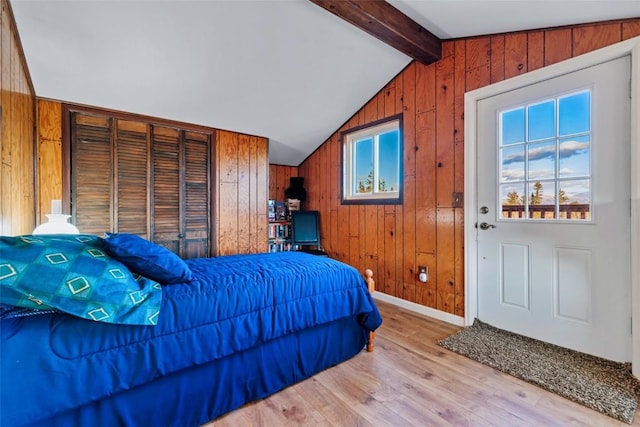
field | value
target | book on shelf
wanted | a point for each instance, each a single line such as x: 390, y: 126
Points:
x: 279, y: 246
x: 271, y: 210
x: 279, y: 230
x: 277, y: 210
x: 281, y: 211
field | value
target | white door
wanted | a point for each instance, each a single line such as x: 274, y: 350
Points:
x: 554, y: 210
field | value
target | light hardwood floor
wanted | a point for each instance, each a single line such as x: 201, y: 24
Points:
x: 411, y: 381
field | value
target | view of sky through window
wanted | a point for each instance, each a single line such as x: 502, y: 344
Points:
x: 364, y: 165
x: 386, y: 151
x: 388, y: 164
x: 545, y: 159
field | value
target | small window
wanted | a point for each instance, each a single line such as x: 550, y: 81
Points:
x: 372, y: 163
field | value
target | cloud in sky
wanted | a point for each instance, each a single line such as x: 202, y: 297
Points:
x: 567, y: 149
x: 513, y: 174
x: 517, y: 174
x: 567, y: 171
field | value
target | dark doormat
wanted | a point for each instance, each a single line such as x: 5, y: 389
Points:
x: 596, y: 383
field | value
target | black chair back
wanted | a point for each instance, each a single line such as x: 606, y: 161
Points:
x: 305, y: 232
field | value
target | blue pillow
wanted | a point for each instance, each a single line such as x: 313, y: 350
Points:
x: 147, y: 258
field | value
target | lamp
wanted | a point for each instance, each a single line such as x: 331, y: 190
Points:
x: 57, y: 222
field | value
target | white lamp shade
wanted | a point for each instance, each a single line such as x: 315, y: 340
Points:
x: 57, y: 224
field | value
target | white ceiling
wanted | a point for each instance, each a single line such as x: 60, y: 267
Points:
x: 283, y: 69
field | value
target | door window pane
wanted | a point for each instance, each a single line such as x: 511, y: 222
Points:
x: 575, y: 113
x: 542, y: 160
x: 512, y: 197
x: 575, y: 157
x: 542, y: 120
x: 541, y: 197
x: 512, y: 123
x: 574, y: 199
x: 512, y: 159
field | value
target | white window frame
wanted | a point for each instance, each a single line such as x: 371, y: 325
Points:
x: 557, y: 180
x: 349, y: 178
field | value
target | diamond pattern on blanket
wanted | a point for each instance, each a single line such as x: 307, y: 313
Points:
x: 78, y: 284
x: 6, y: 271
x: 73, y: 274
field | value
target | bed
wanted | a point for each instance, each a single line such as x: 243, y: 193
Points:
x: 220, y: 333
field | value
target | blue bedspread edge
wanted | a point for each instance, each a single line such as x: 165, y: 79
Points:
x: 252, y: 298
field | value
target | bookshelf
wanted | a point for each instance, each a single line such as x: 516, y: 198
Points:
x: 279, y: 227
x: 279, y: 236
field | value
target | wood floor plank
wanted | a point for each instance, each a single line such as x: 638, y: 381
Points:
x: 443, y: 387
x: 409, y: 380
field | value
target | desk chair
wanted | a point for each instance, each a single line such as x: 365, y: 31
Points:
x: 305, y: 232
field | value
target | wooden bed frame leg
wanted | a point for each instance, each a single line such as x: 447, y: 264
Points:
x: 371, y: 284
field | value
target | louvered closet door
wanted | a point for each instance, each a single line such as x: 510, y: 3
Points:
x: 134, y: 177
x: 180, y: 196
x: 91, y: 173
x: 166, y: 194
x: 197, y: 191
x: 131, y: 183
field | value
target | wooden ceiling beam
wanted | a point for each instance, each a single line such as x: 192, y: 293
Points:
x: 383, y: 21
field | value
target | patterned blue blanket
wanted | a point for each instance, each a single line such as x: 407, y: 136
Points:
x: 73, y: 274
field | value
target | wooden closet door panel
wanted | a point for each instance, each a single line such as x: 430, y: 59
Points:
x: 91, y: 173
x: 166, y: 191
x: 197, y: 192
x: 131, y: 183
x: 132, y: 176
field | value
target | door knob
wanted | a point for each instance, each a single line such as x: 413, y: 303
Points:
x: 485, y: 226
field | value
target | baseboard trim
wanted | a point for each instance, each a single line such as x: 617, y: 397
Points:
x: 421, y: 309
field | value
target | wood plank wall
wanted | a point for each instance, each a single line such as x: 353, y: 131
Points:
x: 17, y: 110
x: 49, y: 146
x: 279, y: 180
x: 427, y: 229
x: 243, y: 184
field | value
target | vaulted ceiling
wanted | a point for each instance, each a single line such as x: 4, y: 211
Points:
x: 287, y: 70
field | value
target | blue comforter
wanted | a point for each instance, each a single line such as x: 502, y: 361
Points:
x: 56, y: 362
